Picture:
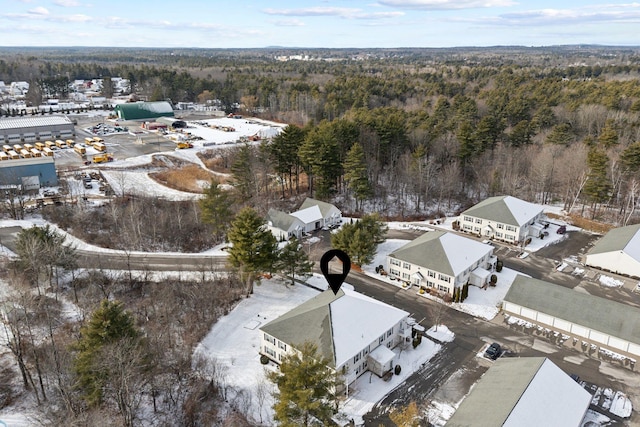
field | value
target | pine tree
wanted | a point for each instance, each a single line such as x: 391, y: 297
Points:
x: 356, y: 174
x: 609, y: 135
x: 560, y: 134
x: 254, y: 248
x: 283, y: 151
x: 110, y: 324
x: 360, y: 239
x: 306, y: 389
x: 242, y: 173
x: 407, y: 416
x: 216, y: 208
x: 293, y: 260
x: 597, y: 187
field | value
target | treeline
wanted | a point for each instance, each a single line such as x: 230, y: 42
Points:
x: 430, y: 130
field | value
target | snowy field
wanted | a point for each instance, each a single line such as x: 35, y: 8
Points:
x: 244, y: 127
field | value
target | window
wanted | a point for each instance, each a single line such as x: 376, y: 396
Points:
x: 444, y: 278
x: 356, y: 358
x: 389, y: 332
x: 381, y: 339
x: 443, y: 288
x: 468, y: 218
x: 500, y: 226
x: 511, y: 228
x: 478, y: 221
x: 270, y: 339
x: 509, y: 237
x: 476, y: 229
x: 467, y: 227
x: 282, y: 345
x: 405, y: 276
x: 499, y: 235
x: 406, y: 265
x: 270, y: 352
x: 432, y: 274
x: 394, y: 261
x: 430, y: 284
x: 394, y: 272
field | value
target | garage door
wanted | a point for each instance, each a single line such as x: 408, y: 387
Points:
x: 580, y: 331
x: 528, y: 313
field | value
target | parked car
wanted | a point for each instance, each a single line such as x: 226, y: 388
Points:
x: 562, y: 229
x: 493, y: 351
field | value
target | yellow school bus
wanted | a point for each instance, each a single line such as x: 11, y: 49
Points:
x: 60, y: 143
x: 40, y: 146
x: 49, y: 144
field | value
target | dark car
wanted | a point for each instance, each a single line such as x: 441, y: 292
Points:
x: 562, y: 229
x: 493, y: 351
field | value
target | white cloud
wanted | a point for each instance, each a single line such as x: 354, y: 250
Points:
x: 621, y: 13
x: 67, y: 3
x: 342, y: 12
x: 288, y: 23
x: 75, y: 18
x: 39, y: 11
x: 446, y: 4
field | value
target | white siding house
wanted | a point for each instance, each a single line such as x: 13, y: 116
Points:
x: 503, y: 218
x: 312, y: 215
x: 284, y: 226
x: 610, y: 325
x: 618, y: 251
x: 349, y: 329
x: 443, y: 261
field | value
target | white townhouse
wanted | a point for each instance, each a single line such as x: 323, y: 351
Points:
x: 354, y: 332
x: 503, y: 218
x: 618, y: 251
x: 443, y: 261
x: 329, y: 214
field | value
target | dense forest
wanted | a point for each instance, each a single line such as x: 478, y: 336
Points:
x: 408, y: 132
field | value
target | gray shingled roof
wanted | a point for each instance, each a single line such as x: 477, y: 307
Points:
x: 496, y: 394
x: 279, y: 219
x: 504, y: 209
x: 310, y: 321
x: 324, y: 206
x: 615, y: 240
x: 426, y: 251
x: 600, y: 314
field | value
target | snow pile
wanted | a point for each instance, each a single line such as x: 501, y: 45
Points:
x: 441, y: 333
x: 621, y: 405
x: 438, y: 413
x: 610, y: 282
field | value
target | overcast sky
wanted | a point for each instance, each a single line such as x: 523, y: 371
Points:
x: 317, y: 23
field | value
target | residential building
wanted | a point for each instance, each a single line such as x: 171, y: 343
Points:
x: 503, y: 218
x: 618, y: 251
x: 312, y: 215
x: 443, y: 261
x: 354, y: 332
x: 523, y: 392
x: 609, y: 324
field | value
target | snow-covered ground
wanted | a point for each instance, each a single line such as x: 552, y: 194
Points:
x: 139, y: 182
x: 244, y: 127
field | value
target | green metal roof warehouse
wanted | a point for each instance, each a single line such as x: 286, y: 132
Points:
x: 143, y: 110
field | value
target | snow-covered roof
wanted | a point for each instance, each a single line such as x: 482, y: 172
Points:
x: 382, y: 355
x: 341, y: 325
x: 282, y: 220
x: 34, y: 121
x: 523, y: 392
x: 444, y: 252
x: 625, y: 239
x: 325, y: 208
x: 309, y: 215
x: 506, y: 210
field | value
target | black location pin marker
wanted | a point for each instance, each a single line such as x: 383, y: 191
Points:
x: 335, y: 279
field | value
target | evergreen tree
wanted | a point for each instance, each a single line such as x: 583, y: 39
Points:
x: 609, y: 135
x: 242, y: 173
x: 216, y: 208
x: 360, y: 239
x: 597, y: 187
x: 293, y: 260
x: 560, y: 134
x: 407, y: 416
x: 320, y: 157
x: 283, y: 151
x: 306, y: 389
x: 254, y: 248
x: 356, y: 174
x: 630, y: 158
x: 110, y: 324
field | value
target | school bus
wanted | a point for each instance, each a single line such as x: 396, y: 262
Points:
x: 40, y: 146
x: 49, y: 144
x: 6, y: 148
x: 97, y: 139
x: 48, y: 151
x: 60, y: 143
x: 80, y: 149
x: 25, y: 154
x: 99, y: 146
x: 88, y: 140
x: 3, y: 156
x: 28, y: 147
x: 70, y: 143
x: 13, y: 154
x: 35, y: 153
x: 17, y: 148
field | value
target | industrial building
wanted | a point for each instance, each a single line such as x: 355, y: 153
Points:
x: 30, y: 174
x: 143, y: 110
x: 14, y: 130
